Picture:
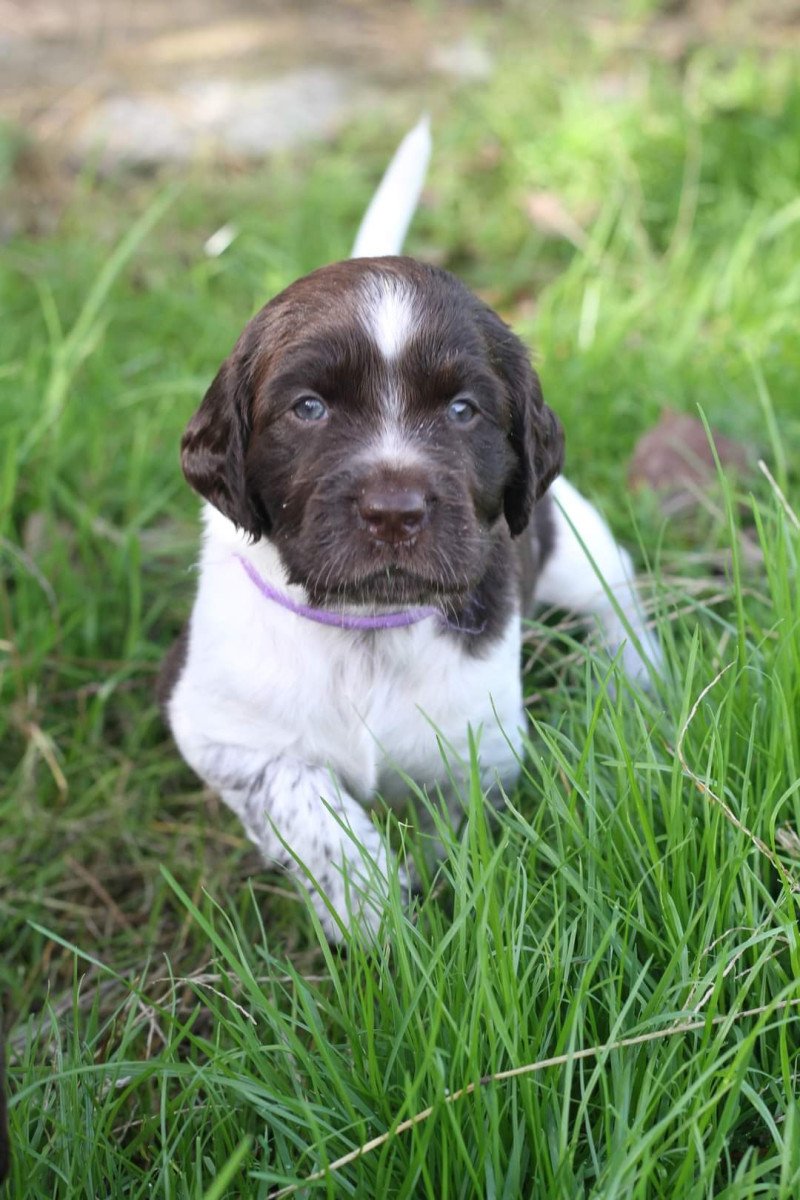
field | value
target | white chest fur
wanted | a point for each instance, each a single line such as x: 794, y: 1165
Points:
x: 363, y: 705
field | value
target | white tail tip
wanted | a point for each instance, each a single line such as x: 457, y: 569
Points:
x: 386, y: 221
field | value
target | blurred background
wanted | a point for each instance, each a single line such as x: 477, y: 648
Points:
x: 621, y: 181
x: 101, y: 85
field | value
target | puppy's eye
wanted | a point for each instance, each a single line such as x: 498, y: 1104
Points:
x: 310, y: 408
x: 462, y: 411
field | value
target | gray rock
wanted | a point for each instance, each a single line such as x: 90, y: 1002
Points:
x: 248, y: 118
x: 465, y: 59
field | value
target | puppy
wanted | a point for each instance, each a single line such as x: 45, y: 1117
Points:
x: 379, y: 471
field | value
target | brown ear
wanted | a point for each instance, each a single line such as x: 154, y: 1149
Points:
x: 537, y: 440
x: 214, y: 445
x: 535, y: 434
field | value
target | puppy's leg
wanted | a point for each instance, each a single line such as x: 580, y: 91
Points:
x: 573, y: 576
x: 294, y: 811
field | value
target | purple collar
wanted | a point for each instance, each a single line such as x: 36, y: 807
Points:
x: 392, y: 620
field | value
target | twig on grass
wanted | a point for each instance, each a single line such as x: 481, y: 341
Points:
x: 44, y: 744
x: 103, y: 894
x: 697, y: 1008
x: 557, y: 1060
x: 787, y: 508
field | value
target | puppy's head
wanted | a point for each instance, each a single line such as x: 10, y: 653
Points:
x: 378, y: 423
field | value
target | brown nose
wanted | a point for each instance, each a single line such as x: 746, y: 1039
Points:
x: 392, y: 513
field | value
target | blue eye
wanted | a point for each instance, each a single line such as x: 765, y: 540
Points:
x: 310, y: 408
x: 461, y: 411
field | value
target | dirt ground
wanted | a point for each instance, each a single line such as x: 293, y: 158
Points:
x: 143, y: 82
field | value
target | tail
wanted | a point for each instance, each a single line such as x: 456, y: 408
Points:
x: 386, y: 221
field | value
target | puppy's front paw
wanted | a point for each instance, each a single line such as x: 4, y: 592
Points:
x: 353, y: 895
x: 303, y: 821
x: 641, y: 662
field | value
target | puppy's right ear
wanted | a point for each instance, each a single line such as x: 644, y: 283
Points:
x: 214, y: 445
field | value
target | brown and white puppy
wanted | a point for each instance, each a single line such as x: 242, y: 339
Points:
x: 376, y: 421
x: 375, y: 456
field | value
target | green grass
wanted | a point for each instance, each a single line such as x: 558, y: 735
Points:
x: 178, y: 1026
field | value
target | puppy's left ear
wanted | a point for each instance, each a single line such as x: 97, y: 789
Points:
x: 535, y: 434
x: 537, y: 440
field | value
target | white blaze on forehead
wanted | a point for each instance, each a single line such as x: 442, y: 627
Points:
x: 389, y: 314
x: 394, y: 447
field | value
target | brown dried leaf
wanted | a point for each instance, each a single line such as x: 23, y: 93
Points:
x: 675, y: 459
x: 547, y: 212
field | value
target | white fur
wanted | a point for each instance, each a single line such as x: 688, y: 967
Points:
x: 386, y: 221
x: 395, y: 446
x: 297, y: 725
x: 391, y: 317
x: 389, y: 314
x: 590, y: 574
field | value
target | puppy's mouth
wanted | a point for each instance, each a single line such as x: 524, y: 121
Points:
x: 390, y: 586
x: 343, y: 562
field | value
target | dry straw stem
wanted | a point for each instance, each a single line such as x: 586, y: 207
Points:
x: 46, y: 747
x: 558, y: 1060
x: 787, y: 508
x: 706, y: 791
